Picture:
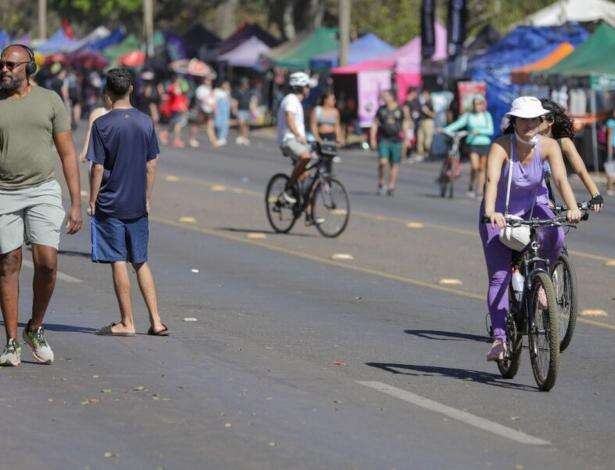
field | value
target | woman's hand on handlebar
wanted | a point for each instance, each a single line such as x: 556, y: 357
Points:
x: 573, y: 215
x: 497, y: 218
x: 596, y: 203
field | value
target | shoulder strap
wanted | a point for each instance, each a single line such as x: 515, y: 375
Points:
x: 510, y: 172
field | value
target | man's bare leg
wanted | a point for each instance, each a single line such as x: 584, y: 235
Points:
x: 148, y: 290
x: 393, y: 175
x: 299, y: 169
x: 382, y: 164
x: 121, y: 283
x: 10, y: 266
x: 45, y: 260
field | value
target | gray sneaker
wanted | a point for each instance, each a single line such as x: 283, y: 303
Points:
x: 37, y: 340
x: 11, y: 356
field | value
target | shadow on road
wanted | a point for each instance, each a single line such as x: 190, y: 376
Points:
x: 62, y: 327
x: 259, y: 230
x: 447, y: 335
x: 486, y: 378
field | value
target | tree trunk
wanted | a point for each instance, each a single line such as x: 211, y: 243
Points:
x: 226, y: 22
x: 288, y: 20
x: 316, y: 13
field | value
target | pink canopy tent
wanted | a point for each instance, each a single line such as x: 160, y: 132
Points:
x: 406, y: 61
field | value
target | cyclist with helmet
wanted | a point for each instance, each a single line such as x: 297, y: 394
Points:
x: 291, y: 129
x: 559, y: 126
x: 523, y: 152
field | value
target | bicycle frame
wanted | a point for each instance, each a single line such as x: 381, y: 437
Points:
x: 324, y: 168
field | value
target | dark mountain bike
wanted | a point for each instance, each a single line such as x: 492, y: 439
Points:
x: 320, y: 195
x: 565, y: 281
x: 536, y: 313
x: 451, y: 166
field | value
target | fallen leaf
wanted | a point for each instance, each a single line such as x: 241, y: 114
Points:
x: 139, y: 388
x: 339, y: 363
x: 106, y: 390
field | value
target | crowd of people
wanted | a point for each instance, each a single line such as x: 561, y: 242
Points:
x: 122, y: 146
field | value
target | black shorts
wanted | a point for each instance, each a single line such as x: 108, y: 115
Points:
x: 481, y: 150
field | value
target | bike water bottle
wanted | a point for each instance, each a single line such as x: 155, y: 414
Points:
x: 517, y: 284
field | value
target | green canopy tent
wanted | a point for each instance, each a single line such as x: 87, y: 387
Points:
x: 593, y: 62
x: 299, y: 54
x: 131, y: 43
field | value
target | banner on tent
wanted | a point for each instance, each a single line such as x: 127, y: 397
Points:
x: 369, y: 86
x: 467, y: 91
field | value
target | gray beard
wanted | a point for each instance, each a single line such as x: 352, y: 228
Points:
x: 9, y: 87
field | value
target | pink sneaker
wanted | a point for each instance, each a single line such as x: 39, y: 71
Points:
x: 497, y: 351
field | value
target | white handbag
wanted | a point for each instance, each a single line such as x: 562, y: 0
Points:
x: 514, y: 237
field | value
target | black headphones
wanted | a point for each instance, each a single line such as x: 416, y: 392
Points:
x: 31, y: 66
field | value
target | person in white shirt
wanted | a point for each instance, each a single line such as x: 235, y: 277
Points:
x: 205, y: 109
x: 291, y: 129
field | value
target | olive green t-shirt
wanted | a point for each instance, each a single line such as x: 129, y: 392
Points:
x: 27, y: 125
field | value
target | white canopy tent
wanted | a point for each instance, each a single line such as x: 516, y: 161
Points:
x: 564, y: 11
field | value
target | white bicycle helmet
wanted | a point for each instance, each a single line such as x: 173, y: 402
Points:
x: 299, y: 79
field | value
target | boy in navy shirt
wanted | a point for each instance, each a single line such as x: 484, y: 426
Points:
x: 123, y: 149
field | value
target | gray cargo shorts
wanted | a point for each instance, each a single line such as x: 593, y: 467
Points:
x: 293, y: 149
x: 32, y: 215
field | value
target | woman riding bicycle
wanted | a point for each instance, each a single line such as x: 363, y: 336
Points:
x: 558, y: 125
x: 524, y: 150
x: 479, y: 125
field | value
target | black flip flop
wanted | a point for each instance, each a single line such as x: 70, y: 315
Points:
x: 163, y: 332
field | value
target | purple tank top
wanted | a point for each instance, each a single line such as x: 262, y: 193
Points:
x: 525, y: 186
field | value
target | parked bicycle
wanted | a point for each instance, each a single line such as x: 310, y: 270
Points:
x: 320, y: 196
x: 533, y: 308
x: 451, y: 166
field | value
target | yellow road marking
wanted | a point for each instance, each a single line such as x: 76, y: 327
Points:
x: 218, y: 187
x: 187, y: 220
x: 450, y: 282
x: 444, y: 228
x: 594, y: 313
x: 256, y: 236
x: 350, y: 267
x: 171, y: 178
x: 342, y: 256
x: 415, y: 225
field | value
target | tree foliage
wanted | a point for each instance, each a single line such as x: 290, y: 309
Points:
x: 396, y: 21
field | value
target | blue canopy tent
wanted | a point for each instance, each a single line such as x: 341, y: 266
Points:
x: 58, y: 42
x: 114, y: 38
x: 366, y: 47
x: 523, y: 45
x: 5, y: 39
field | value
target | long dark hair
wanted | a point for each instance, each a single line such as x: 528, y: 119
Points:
x: 562, y: 123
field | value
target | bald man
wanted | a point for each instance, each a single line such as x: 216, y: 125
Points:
x: 34, y: 130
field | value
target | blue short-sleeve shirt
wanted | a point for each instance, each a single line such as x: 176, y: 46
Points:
x: 123, y: 141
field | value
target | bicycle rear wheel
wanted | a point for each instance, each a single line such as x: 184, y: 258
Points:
x: 330, y: 207
x: 564, y: 281
x: 282, y: 215
x: 543, y: 331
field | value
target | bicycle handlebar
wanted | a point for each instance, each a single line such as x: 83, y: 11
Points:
x: 557, y: 221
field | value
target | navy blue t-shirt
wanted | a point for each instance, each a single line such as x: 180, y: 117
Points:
x: 123, y: 141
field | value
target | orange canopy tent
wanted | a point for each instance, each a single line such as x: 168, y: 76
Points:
x: 522, y: 74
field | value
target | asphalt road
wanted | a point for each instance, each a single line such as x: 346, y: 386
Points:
x: 297, y: 360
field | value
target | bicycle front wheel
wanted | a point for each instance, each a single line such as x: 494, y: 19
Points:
x: 330, y: 207
x: 282, y: 215
x: 564, y: 281
x: 543, y: 332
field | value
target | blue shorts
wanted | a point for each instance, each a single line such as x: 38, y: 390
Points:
x: 119, y: 239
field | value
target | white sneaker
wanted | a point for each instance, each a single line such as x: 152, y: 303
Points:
x: 288, y: 198
x: 37, y: 340
x: 11, y: 356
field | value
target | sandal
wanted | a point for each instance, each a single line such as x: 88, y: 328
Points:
x: 108, y: 331
x: 163, y: 332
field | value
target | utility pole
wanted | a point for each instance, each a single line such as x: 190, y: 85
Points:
x: 148, y: 26
x: 344, y: 27
x: 42, y: 19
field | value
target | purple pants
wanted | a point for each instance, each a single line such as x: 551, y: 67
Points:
x: 499, y: 257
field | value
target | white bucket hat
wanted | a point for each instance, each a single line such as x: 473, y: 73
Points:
x: 527, y: 107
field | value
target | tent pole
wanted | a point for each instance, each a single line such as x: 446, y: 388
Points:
x: 594, y: 131
x: 42, y: 19
x: 344, y: 28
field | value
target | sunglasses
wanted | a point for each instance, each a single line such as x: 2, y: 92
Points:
x: 10, y: 64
